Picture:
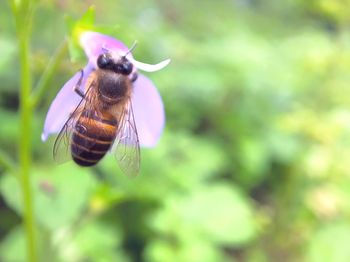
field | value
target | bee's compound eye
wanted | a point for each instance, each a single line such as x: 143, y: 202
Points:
x: 125, y: 68
x: 103, y: 61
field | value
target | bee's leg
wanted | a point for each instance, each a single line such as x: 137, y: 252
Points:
x: 78, y: 85
x: 133, y: 76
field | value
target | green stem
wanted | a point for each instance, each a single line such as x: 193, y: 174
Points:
x: 23, y: 13
x: 26, y: 112
x: 44, y: 82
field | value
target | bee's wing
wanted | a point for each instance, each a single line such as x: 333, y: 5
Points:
x: 127, y: 147
x: 61, y: 148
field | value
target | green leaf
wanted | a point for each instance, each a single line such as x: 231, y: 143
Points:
x: 7, y: 50
x: 98, y: 242
x: 13, y: 247
x: 75, y: 27
x: 178, y: 163
x: 218, y: 213
x: 330, y: 243
x: 194, y: 250
x: 85, y: 23
x: 60, y: 194
x: 10, y: 131
x: 191, y: 160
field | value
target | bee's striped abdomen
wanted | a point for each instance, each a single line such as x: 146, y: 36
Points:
x: 92, y: 138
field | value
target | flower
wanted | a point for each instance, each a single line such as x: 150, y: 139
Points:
x: 147, y: 103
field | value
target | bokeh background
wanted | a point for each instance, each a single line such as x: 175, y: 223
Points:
x: 253, y: 164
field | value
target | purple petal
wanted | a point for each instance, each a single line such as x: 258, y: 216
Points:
x: 148, y: 111
x: 63, y: 105
x: 94, y: 44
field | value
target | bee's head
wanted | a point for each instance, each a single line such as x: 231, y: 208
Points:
x: 117, y: 63
x: 121, y: 66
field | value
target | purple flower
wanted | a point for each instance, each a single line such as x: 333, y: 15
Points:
x: 146, y: 101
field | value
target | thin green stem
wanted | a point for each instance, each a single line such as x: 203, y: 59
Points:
x: 23, y: 14
x: 44, y: 82
x: 26, y: 112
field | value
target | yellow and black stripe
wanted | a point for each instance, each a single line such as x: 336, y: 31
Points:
x: 92, y: 138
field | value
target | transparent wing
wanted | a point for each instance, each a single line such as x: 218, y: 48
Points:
x: 127, y: 145
x: 61, y: 148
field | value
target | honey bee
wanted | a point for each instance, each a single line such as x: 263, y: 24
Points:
x: 104, y: 118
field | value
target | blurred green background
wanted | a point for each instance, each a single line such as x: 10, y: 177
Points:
x: 253, y: 164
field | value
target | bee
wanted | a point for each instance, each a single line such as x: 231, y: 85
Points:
x: 103, y: 120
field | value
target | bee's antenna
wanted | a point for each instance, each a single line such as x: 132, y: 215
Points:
x: 131, y: 49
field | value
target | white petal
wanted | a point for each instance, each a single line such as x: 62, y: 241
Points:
x: 148, y: 67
